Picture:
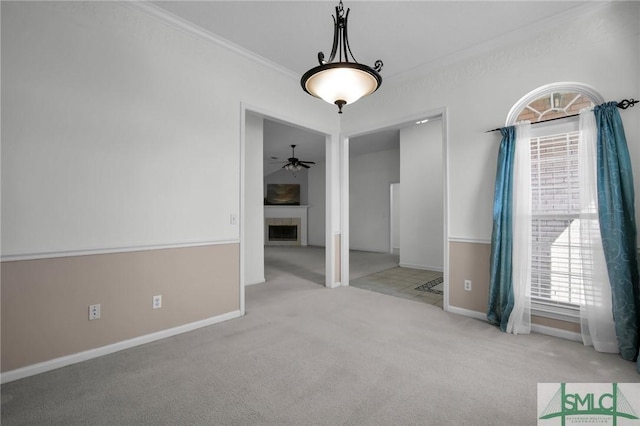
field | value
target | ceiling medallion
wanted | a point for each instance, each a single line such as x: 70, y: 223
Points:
x: 345, y: 81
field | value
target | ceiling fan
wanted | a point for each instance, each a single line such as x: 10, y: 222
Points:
x: 294, y: 163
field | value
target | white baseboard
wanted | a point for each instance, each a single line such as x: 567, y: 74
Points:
x: 336, y: 285
x: 262, y: 281
x: 467, y: 313
x: 422, y: 267
x: 468, y: 240
x: 41, y: 367
x: 556, y: 332
x: 535, y: 328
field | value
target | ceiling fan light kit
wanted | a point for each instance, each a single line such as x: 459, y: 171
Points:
x: 345, y: 81
x: 294, y: 164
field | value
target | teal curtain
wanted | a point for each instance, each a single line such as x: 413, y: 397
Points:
x: 501, y: 285
x: 618, y: 227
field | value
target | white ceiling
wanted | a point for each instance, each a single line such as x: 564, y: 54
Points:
x: 404, y: 34
x: 278, y: 138
x: 408, y: 36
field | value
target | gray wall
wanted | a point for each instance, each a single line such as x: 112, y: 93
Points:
x: 370, y: 177
x: 421, y: 200
x: 312, y: 193
x: 121, y: 146
x: 286, y: 176
x: 317, y: 205
x: 477, y: 94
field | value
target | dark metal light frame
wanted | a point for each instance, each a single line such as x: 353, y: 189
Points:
x: 346, y: 60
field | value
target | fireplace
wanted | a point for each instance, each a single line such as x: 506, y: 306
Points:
x: 285, y: 225
x: 283, y: 233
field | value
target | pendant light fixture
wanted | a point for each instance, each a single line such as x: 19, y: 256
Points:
x: 345, y: 81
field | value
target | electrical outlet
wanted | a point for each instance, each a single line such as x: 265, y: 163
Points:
x: 94, y: 312
x: 157, y: 302
x: 233, y: 219
x: 467, y: 285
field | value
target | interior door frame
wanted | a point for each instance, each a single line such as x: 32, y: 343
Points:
x: 441, y: 113
x: 392, y: 215
x: 332, y: 193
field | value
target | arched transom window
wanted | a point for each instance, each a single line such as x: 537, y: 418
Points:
x: 554, y: 105
x: 553, y: 101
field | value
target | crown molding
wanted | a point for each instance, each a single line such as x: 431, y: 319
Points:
x: 511, y: 38
x: 515, y: 37
x: 172, y: 21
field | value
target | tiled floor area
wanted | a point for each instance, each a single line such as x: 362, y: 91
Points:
x: 401, y: 282
x: 371, y: 271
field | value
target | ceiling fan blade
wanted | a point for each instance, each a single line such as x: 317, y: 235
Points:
x: 294, y: 162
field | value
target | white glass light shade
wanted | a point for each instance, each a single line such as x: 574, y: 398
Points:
x: 341, y: 81
x: 293, y: 167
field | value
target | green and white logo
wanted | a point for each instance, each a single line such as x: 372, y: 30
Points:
x: 588, y: 404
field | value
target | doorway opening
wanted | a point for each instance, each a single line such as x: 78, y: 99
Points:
x: 265, y: 148
x: 295, y: 229
x: 399, y: 190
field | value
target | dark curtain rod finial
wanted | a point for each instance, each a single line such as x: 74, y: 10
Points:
x: 623, y: 104
x: 627, y: 103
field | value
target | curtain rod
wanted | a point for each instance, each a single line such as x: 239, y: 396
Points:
x: 623, y: 104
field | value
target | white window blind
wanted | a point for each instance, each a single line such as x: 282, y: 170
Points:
x: 557, y: 269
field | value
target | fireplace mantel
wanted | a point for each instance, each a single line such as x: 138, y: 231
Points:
x: 284, y: 206
x: 287, y: 212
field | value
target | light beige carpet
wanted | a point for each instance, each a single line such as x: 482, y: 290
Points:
x: 307, y: 355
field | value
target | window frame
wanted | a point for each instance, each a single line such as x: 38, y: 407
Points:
x: 564, y: 125
x: 547, y: 89
x: 540, y: 308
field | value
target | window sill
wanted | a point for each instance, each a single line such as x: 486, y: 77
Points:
x: 560, y: 313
